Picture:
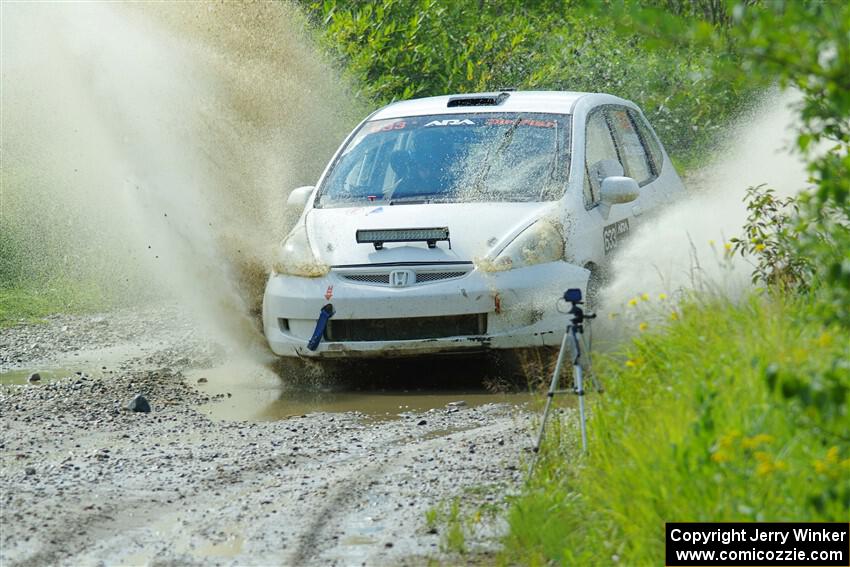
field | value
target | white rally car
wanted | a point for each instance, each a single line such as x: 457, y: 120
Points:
x: 454, y: 224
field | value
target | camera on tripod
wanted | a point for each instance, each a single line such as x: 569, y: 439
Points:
x: 571, y: 341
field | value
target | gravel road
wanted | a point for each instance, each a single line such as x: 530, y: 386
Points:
x: 86, y: 482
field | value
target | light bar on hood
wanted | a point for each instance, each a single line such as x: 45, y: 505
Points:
x: 380, y: 236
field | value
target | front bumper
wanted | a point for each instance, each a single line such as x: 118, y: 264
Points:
x: 519, y: 307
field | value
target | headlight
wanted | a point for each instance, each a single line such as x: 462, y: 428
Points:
x: 296, y: 258
x: 540, y: 243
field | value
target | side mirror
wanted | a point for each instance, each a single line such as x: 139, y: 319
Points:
x: 298, y: 198
x: 617, y: 190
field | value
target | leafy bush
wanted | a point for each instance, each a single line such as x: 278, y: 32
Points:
x: 399, y: 49
x: 771, y: 233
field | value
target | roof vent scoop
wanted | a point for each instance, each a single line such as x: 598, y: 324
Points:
x: 484, y: 99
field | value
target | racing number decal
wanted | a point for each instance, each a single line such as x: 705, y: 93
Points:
x: 612, y: 233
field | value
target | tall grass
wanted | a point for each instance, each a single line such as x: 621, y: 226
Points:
x: 730, y: 413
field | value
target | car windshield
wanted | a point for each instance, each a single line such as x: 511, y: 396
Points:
x: 452, y: 158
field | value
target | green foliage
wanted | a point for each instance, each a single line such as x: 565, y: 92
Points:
x: 806, y: 45
x: 31, y: 303
x: 733, y: 413
x: 399, y: 49
x: 771, y: 234
x: 803, y: 45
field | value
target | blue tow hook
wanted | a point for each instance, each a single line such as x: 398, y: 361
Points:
x: 326, y: 313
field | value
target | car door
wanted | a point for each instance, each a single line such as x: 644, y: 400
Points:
x: 606, y: 226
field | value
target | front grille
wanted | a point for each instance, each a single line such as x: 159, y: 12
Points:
x: 424, y: 277
x: 421, y: 277
x: 406, y: 329
x: 369, y: 278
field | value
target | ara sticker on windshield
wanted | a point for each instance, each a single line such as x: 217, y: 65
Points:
x: 612, y: 234
x: 451, y: 122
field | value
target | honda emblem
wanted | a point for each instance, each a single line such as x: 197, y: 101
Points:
x: 402, y: 278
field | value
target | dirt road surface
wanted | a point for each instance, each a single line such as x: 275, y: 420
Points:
x: 86, y: 482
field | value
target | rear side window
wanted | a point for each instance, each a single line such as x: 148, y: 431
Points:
x: 634, y: 157
x: 649, y: 141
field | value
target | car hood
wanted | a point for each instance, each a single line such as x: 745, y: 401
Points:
x: 475, y: 229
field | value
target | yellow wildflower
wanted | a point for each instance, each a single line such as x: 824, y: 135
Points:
x: 762, y: 457
x: 644, y: 296
x: 760, y: 247
x: 728, y: 440
x: 824, y: 340
x: 720, y: 457
x: 711, y: 242
x: 832, y: 455
x: 756, y: 440
x: 674, y: 316
x: 632, y: 302
x: 727, y: 246
x: 631, y: 363
x: 764, y: 469
x: 643, y: 326
x: 821, y: 467
x: 662, y: 296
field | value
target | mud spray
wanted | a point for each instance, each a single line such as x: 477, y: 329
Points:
x: 150, y: 147
x: 684, y: 248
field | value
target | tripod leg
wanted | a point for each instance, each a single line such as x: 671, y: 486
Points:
x: 552, y: 388
x: 580, y: 392
x: 579, y: 385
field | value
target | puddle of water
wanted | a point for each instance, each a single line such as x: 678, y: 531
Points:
x: 47, y: 375
x: 92, y: 362
x: 257, y: 393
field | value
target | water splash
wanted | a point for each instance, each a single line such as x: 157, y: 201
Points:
x: 151, y: 146
x: 684, y: 247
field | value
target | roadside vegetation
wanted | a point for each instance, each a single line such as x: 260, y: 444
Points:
x: 718, y: 410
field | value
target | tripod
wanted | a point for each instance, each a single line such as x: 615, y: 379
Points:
x: 574, y: 332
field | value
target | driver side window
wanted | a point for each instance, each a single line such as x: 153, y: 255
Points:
x: 601, y: 158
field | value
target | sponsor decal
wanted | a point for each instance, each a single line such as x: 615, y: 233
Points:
x: 612, y: 234
x: 400, y: 125
x: 451, y: 122
x: 523, y: 122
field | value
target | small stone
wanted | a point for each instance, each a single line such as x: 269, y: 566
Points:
x: 34, y: 377
x: 457, y: 404
x: 388, y: 544
x: 422, y: 422
x: 140, y: 404
x: 29, y: 471
x: 202, y: 380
